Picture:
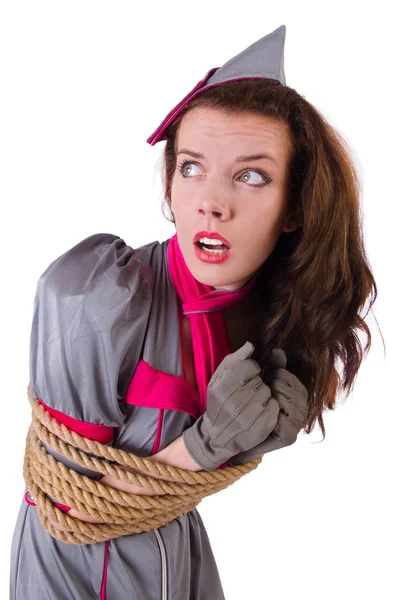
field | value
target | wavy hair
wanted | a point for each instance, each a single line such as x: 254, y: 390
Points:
x: 317, y: 280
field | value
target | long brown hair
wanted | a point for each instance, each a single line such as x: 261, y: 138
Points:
x: 317, y: 280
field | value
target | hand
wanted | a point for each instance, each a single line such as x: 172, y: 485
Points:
x: 292, y: 397
x: 240, y: 411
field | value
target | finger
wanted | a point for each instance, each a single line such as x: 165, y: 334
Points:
x: 271, y: 443
x: 289, y: 397
x: 285, y: 431
x: 289, y: 409
x: 265, y: 420
x: 290, y: 380
x: 233, y: 374
x: 296, y: 387
x: 239, y: 355
x: 278, y: 359
x: 261, y: 394
x: 231, y: 361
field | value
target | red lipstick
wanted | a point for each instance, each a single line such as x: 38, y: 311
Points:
x: 213, y: 235
x: 208, y: 256
x: 211, y: 258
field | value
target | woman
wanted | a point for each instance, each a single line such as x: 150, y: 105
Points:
x: 165, y: 332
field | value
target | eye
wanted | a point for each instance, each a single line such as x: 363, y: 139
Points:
x: 265, y: 178
x: 182, y: 165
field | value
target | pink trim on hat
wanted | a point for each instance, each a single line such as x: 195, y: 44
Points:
x: 171, y: 114
x: 157, y: 134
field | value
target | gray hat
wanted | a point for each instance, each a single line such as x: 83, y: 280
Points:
x: 263, y: 59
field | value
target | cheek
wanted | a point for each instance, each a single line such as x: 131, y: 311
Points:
x: 264, y: 228
x: 268, y: 214
x: 258, y: 221
x: 176, y: 196
x: 181, y: 205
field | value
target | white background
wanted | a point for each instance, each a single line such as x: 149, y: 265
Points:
x: 83, y: 84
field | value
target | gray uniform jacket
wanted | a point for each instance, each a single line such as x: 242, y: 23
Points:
x: 107, y: 316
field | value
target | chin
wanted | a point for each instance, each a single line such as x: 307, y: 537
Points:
x: 214, y: 279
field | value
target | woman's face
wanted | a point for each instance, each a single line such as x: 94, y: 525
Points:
x: 244, y: 200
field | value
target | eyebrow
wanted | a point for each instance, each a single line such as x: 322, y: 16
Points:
x: 238, y: 159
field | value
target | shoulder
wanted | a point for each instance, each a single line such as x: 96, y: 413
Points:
x: 91, y: 263
x: 91, y: 309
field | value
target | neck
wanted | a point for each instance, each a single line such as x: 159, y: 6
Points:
x: 226, y: 289
x: 243, y: 323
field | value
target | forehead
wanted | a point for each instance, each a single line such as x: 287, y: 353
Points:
x: 203, y: 124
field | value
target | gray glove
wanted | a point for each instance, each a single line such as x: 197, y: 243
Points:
x: 240, y: 411
x: 292, y: 397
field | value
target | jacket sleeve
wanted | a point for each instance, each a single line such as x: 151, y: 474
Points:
x: 90, y: 315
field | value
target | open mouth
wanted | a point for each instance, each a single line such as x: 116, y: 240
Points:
x: 212, y: 248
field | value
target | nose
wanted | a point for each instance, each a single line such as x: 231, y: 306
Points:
x: 211, y: 205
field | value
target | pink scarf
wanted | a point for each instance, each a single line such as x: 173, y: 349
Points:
x: 203, y: 305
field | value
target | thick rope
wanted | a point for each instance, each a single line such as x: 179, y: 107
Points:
x: 124, y: 513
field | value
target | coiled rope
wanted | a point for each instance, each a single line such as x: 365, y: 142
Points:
x: 124, y: 513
